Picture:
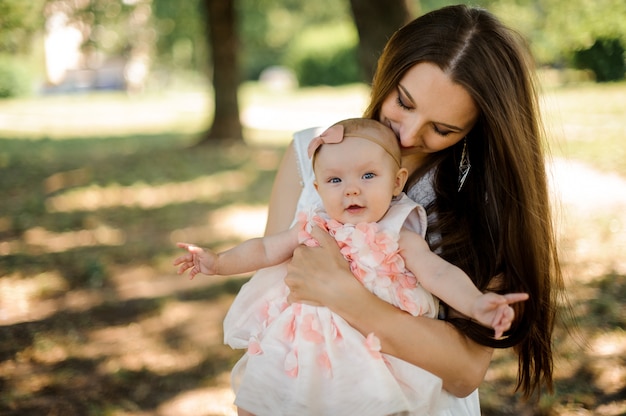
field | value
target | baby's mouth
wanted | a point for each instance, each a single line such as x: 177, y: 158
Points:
x: 354, y: 208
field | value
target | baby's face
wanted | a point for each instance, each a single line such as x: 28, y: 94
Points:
x: 356, y: 180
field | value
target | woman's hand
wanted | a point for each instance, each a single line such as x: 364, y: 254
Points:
x: 320, y: 275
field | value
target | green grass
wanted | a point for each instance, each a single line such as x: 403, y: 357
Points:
x: 96, y: 190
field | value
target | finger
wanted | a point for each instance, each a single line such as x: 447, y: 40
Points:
x: 182, y: 259
x: 190, y: 247
x: 498, y: 333
x: 502, y: 321
x: 515, y: 297
x: 322, y: 237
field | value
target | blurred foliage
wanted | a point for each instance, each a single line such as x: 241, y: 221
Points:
x: 605, y: 58
x: 268, y: 28
x: 181, y: 39
x: 15, y: 79
x: 19, y: 20
x: 325, y: 55
x: 108, y: 26
x: 173, y: 34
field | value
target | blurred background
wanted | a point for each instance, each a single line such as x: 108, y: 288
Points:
x: 128, y: 125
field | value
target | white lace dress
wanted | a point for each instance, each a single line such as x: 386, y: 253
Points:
x: 305, y: 360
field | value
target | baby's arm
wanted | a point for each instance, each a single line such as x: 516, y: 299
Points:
x: 248, y: 256
x: 454, y: 287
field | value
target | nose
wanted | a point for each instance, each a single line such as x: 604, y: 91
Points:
x: 411, y: 131
x: 351, y: 189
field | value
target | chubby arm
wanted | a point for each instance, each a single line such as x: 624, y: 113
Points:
x: 453, y: 286
x: 248, y: 256
x: 321, y: 276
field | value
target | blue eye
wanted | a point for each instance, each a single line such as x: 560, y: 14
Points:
x: 334, y: 180
x: 369, y: 175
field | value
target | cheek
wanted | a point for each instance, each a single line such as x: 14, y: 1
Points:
x: 389, y: 109
x: 437, y: 143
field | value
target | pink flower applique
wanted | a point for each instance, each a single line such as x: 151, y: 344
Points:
x: 387, y: 243
x: 272, y: 310
x: 289, y: 330
x: 254, y: 346
x: 407, y: 303
x: 311, y: 330
x: 336, y: 333
x: 304, y: 232
x: 323, y: 360
x: 372, y: 343
x: 291, y: 363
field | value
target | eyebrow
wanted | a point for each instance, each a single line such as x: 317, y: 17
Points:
x: 410, y: 97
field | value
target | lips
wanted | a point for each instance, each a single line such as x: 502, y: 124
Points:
x: 354, y: 208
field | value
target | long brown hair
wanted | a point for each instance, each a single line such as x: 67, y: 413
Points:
x: 498, y: 228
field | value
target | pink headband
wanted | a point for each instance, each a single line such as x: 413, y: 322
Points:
x: 336, y: 133
x: 332, y: 135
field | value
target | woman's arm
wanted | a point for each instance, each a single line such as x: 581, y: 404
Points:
x: 320, y: 276
x: 285, y: 193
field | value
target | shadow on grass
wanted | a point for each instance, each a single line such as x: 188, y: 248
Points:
x: 39, y: 239
x: 79, y: 386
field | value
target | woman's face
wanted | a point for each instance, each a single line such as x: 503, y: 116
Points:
x: 428, y: 112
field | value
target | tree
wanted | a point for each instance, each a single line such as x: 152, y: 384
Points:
x: 19, y: 20
x: 376, y: 21
x: 224, y: 46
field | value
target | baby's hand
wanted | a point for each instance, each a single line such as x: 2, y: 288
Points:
x: 196, y: 261
x: 494, y: 310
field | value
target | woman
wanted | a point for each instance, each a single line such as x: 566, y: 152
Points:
x: 456, y: 86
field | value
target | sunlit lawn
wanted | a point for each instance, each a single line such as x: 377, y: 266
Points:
x: 96, y: 189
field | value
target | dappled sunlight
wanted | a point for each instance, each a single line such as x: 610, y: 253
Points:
x: 591, y: 212
x: 62, y: 180
x: 293, y: 112
x: 611, y: 343
x: 206, y: 401
x: 67, y: 117
x: 20, y: 294
x: 231, y: 222
x: 52, y: 242
x: 144, y: 344
x: 204, y: 188
x: 132, y: 347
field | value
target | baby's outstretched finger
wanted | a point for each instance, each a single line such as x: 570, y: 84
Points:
x: 515, y: 297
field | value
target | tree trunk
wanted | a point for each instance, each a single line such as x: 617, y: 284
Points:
x: 376, y: 21
x: 224, y: 45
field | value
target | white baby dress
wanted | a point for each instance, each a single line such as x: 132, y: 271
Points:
x: 306, y: 360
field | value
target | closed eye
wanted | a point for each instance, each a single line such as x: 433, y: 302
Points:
x: 441, y: 132
x: 401, y: 102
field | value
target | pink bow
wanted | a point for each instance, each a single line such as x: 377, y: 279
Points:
x: 333, y: 134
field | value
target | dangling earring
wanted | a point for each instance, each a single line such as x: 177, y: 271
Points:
x: 464, y: 165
